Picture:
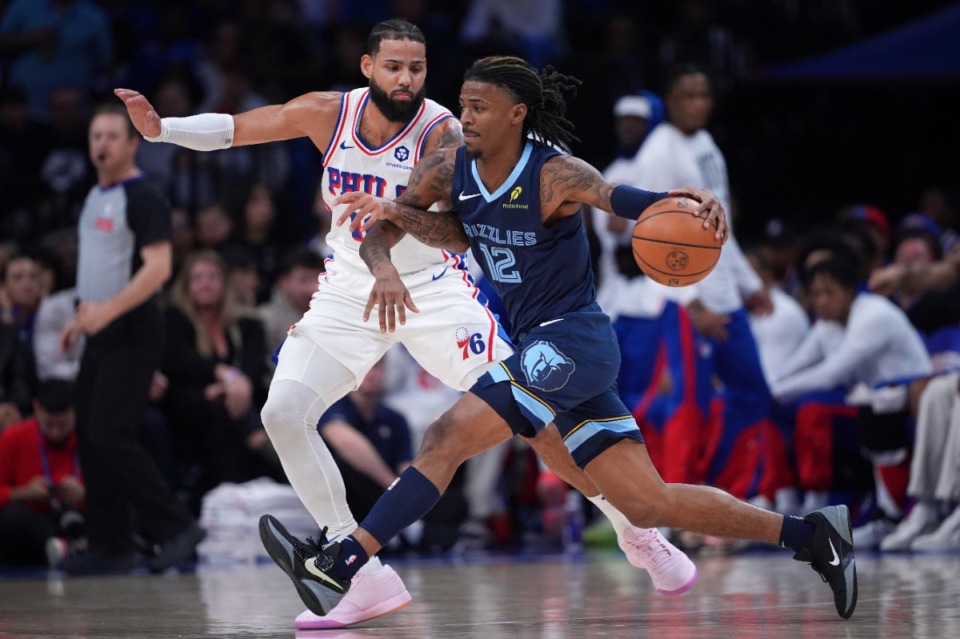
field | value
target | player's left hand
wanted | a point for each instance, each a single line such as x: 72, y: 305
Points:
x: 392, y: 299
x: 362, y: 210
x: 709, y: 208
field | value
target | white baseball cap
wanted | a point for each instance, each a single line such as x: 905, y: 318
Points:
x: 635, y: 105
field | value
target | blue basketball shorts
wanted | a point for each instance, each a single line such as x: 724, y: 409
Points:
x: 563, y: 371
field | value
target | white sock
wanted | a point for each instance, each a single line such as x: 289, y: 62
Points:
x: 371, y: 566
x: 620, y: 523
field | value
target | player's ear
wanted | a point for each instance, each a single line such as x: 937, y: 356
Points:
x: 366, y: 65
x: 518, y: 113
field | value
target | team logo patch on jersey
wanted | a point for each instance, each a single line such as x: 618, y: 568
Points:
x: 545, y: 367
x: 401, y: 153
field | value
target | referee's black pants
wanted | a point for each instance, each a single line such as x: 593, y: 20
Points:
x: 125, y: 491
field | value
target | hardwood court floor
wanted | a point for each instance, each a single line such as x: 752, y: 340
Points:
x: 762, y: 594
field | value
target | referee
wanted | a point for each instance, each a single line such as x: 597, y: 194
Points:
x: 124, y: 259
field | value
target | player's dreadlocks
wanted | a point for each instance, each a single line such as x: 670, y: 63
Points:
x: 541, y: 92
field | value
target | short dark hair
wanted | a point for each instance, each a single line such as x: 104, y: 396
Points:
x: 393, y: 29
x: 842, y: 268
x: 55, y: 395
x: 13, y: 258
x: 303, y: 258
x: 681, y: 70
x: 823, y: 240
x: 541, y: 92
x: 111, y: 108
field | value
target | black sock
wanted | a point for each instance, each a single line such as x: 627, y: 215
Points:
x: 796, y: 533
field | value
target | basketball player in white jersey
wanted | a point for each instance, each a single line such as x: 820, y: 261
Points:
x: 370, y: 139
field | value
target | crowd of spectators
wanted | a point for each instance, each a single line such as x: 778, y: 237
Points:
x: 248, y: 232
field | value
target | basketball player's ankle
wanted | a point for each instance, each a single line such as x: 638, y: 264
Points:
x: 352, y: 558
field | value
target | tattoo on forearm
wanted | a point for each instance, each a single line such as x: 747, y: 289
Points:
x: 375, y: 248
x: 439, y: 229
x: 431, y: 182
x: 567, y: 178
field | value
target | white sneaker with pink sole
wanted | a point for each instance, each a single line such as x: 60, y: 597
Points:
x: 370, y: 596
x: 670, y: 569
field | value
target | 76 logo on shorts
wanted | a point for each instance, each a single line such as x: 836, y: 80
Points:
x: 470, y: 342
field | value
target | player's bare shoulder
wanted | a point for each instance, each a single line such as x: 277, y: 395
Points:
x: 448, y: 134
x: 315, y: 114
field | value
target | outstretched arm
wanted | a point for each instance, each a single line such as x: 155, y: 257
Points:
x: 917, y: 278
x: 311, y: 115
x: 567, y: 182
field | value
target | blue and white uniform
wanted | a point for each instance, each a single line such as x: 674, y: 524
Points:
x: 565, y: 366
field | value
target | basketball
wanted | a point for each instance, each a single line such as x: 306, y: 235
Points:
x: 670, y: 244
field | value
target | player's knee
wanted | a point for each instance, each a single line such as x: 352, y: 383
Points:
x: 290, y: 406
x: 440, y: 442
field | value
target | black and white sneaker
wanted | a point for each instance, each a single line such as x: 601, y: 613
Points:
x: 831, y: 555
x: 308, y: 564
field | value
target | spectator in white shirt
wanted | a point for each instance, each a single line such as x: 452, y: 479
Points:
x: 859, y: 339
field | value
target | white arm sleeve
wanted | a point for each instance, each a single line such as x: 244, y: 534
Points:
x: 202, y: 132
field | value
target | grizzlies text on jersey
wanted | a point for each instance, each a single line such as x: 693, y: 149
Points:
x: 520, y: 256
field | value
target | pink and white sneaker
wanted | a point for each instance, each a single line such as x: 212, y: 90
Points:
x: 370, y: 596
x: 670, y: 569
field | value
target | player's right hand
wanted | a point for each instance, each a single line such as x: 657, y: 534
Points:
x: 142, y: 113
x: 368, y: 209
x: 392, y: 299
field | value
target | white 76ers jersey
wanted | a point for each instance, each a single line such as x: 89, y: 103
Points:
x: 349, y: 164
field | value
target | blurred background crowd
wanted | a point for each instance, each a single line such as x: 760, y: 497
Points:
x: 842, y: 175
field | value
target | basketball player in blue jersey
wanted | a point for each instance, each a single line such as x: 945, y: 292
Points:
x: 371, y: 138
x: 516, y: 202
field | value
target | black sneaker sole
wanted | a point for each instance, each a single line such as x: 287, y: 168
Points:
x: 317, y: 598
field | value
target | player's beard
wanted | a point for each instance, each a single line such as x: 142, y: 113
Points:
x: 395, y: 111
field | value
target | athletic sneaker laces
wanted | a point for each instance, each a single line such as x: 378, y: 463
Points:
x: 310, y: 565
x: 670, y: 569
x: 830, y: 554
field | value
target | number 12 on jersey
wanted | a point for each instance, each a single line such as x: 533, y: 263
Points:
x: 500, y: 261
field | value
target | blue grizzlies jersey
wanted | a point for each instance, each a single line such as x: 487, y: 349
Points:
x: 540, y: 273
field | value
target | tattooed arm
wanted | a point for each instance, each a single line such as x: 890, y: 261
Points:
x: 567, y: 182
x: 430, y: 182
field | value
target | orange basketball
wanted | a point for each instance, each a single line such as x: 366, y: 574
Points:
x: 670, y: 244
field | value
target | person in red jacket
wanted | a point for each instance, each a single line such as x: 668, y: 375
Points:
x: 41, y: 487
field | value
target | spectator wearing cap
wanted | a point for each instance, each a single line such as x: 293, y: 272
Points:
x: 631, y: 119
x: 872, y: 219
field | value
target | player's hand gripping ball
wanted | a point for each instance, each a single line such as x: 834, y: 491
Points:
x: 670, y: 244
